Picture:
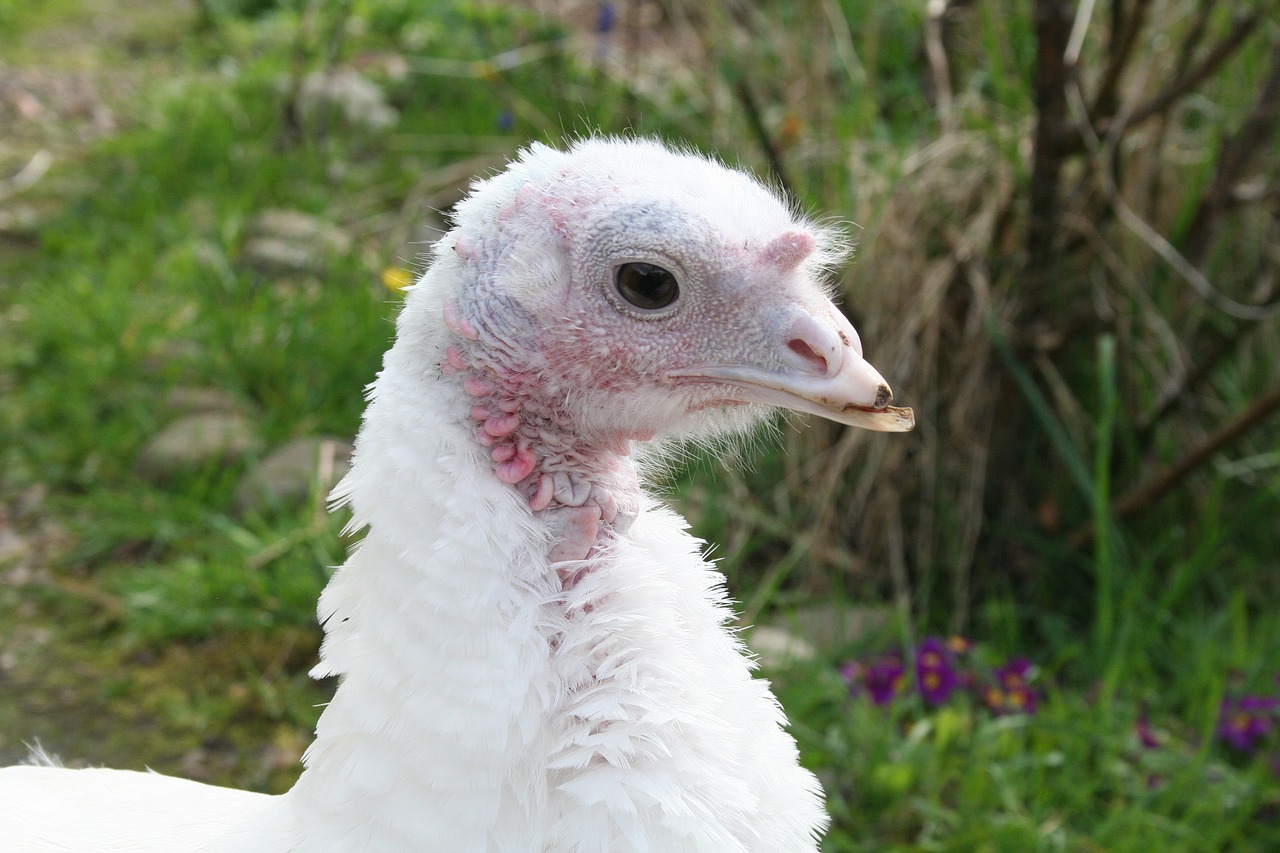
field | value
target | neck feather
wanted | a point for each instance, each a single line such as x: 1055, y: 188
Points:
x: 516, y: 672
x: 585, y: 488
x: 443, y: 623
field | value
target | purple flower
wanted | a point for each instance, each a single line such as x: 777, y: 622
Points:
x: 605, y: 19
x: 1015, y: 673
x: 882, y: 679
x: 993, y: 698
x: 1012, y: 692
x: 936, y: 677
x: 1146, y: 735
x: 851, y: 672
x: 1244, y: 721
x: 1265, y: 705
x: 1021, y: 700
x: 506, y: 121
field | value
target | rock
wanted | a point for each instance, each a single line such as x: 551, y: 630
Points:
x: 293, y: 472
x: 296, y: 225
x: 195, y: 441
x: 778, y: 648
x: 169, y: 356
x: 804, y: 633
x: 290, y: 241
x: 269, y: 255
x: 346, y: 94
x: 832, y: 626
x: 15, y: 553
x: 190, y: 400
x: 20, y: 224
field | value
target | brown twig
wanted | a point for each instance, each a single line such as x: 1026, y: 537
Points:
x: 1165, y: 481
x: 939, y: 67
x: 1069, y: 142
x: 1124, y: 37
x: 1196, y: 31
x: 1222, y: 195
x: 1234, y: 158
x: 1192, y: 79
x: 1205, y: 364
x: 1104, y: 171
x: 1053, y: 23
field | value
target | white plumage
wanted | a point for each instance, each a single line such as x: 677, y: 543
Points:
x: 533, y: 652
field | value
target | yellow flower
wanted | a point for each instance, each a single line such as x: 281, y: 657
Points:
x: 396, y: 280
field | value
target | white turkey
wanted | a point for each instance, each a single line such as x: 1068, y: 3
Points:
x: 533, y: 651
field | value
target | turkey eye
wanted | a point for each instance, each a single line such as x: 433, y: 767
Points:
x: 646, y: 286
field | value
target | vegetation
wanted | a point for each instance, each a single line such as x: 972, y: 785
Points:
x: 1067, y: 220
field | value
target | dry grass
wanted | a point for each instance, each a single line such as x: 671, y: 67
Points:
x: 1149, y: 244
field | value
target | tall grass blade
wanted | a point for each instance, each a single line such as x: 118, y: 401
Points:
x: 1066, y: 449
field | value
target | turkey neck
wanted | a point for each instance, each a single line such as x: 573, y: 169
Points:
x: 585, y: 488
x: 443, y: 623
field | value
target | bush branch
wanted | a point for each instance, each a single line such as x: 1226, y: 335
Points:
x: 1124, y: 37
x: 939, y: 67
x: 1053, y: 25
x: 1165, y: 481
x: 1192, y: 79
x: 1234, y: 158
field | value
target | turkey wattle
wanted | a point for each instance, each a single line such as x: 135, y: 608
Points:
x: 533, y: 651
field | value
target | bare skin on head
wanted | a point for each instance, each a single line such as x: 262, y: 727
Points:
x: 633, y: 318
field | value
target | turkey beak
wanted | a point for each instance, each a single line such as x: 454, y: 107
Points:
x: 823, y: 373
x: 829, y: 376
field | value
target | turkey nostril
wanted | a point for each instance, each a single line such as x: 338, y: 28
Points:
x: 806, y: 352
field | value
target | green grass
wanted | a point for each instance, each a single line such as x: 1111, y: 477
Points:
x: 1069, y: 778
x: 159, y: 611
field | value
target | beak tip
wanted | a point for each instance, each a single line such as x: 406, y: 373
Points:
x: 907, y: 419
x: 888, y: 419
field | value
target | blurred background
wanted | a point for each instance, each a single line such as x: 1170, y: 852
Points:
x: 1045, y: 620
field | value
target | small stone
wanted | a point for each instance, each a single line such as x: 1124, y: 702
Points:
x: 20, y: 224
x: 190, y: 400
x: 296, y: 225
x: 14, y: 552
x: 779, y: 648
x: 284, y: 241
x: 293, y: 472
x: 345, y: 94
x: 833, y: 626
x: 804, y: 633
x: 31, y: 500
x: 270, y: 255
x: 197, y: 440
x: 167, y: 356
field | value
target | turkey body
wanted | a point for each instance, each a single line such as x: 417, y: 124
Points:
x: 532, y: 651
